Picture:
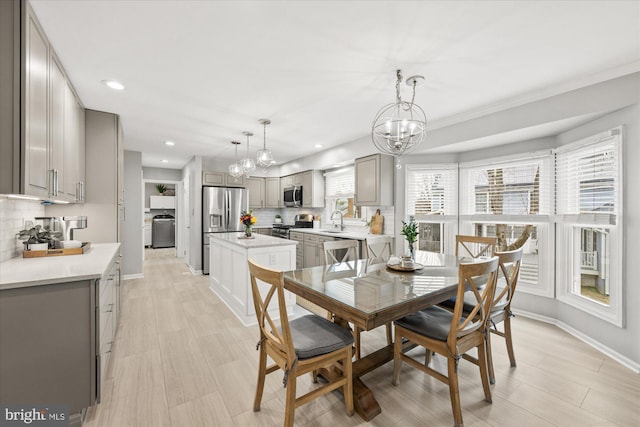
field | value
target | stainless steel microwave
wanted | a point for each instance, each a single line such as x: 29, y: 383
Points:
x: 292, y: 196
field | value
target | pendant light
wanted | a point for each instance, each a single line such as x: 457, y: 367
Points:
x: 399, y: 127
x: 247, y: 164
x: 235, y: 170
x: 264, y: 156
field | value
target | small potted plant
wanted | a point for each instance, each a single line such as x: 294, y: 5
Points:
x: 278, y: 219
x: 410, y: 232
x: 38, y: 238
x: 161, y: 188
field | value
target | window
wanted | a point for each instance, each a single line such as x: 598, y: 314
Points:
x: 339, y: 189
x: 431, y: 197
x: 588, y: 188
x: 510, y: 198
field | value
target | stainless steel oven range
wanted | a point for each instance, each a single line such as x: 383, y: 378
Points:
x: 300, y: 221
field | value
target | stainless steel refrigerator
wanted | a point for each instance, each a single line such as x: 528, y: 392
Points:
x: 221, y: 208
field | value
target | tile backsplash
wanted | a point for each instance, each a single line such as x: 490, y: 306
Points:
x: 13, y: 214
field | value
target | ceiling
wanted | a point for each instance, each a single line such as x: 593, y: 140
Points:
x: 199, y: 73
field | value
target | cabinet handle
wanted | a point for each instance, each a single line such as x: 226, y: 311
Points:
x: 82, y: 191
x: 51, y: 185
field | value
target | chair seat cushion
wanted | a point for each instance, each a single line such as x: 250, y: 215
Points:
x: 313, y: 335
x: 433, y: 322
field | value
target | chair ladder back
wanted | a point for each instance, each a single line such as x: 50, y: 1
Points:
x: 510, y: 267
x: 378, y: 249
x: 277, y: 335
x: 330, y: 248
x: 476, y: 246
x: 484, y: 297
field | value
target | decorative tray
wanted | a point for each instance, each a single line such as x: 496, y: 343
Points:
x: 58, y: 252
x: 399, y: 267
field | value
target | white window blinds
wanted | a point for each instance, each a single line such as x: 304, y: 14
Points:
x: 339, y: 183
x: 432, y: 190
x: 512, y: 187
x: 588, y: 179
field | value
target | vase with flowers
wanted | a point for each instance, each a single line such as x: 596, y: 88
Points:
x: 410, y: 232
x: 247, y: 218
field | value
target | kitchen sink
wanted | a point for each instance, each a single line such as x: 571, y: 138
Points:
x: 331, y: 231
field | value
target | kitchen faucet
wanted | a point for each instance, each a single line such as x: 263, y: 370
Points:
x: 341, y: 221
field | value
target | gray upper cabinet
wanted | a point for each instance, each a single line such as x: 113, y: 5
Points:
x: 255, y: 187
x: 238, y: 181
x: 374, y: 178
x: 36, y: 110
x: 312, y: 189
x: 41, y: 138
x: 272, y: 193
x: 213, y: 178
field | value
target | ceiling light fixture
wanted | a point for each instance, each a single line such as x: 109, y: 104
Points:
x: 248, y: 164
x: 113, y: 84
x: 169, y: 143
x: 264, y: 156
x: 401, y: 126
x: 164, y: 161
x: 317, y: 146
x: 235, y: 170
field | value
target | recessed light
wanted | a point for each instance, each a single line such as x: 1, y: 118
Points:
x: 317, y: 146
x: 113, y: 84
x: 169, y: 143
x: 164, y: 161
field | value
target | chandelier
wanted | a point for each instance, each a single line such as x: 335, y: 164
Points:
x: 264, y: 156
x: 235, y: 170
x: 247, y: 164
x: 401, y: 126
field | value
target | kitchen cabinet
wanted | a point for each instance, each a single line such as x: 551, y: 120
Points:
x: 37, y: 97
x: 256, y: 189
x: 272, y: 193
x: 312, y: 189
x: 298, y: 237
x: 222, y: 179
x: 374, y: 180
x: 229, y: 273
x: 162, y: 202
x: 238, y: 181
x: 313, y: 251
x: 70, y: 316
x: 104, y: 200
x: 213, y: 178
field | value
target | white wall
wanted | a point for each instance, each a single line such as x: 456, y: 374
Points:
x: 132, y: 242
x: 161, y: 174
x: 193, y: 172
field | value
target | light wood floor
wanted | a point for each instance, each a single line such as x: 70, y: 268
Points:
x: 182, y: 359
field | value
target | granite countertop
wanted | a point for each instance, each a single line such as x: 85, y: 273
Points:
x: 256, y: 240
x: 24, y: 272
x: 340, y: 234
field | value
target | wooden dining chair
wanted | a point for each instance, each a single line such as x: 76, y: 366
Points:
x: 342, y: 250
x: 449, y: 333
x: 378, y: 249
x: 475, y: 246
x: 300, y: 346
x: 501, y: 308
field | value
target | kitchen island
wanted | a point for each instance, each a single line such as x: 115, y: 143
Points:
x: 229, y: 270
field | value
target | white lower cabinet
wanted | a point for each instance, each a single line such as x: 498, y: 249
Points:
x: 229, y: 273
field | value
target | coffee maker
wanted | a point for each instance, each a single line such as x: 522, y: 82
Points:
x: 63, y: 224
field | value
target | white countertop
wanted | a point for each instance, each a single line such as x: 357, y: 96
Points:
x: 23, y: 272
x: 342, y: 234
x: 256, y: 240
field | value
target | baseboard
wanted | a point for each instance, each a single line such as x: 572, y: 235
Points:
x: 193, y: 271
x: 623, y: 360
x: 133, y: 276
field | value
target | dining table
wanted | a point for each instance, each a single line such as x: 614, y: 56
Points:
x: 365, y: 296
